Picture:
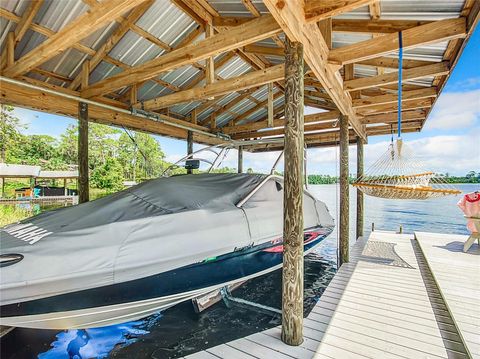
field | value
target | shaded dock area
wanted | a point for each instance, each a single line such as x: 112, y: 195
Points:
x: 400, y: 296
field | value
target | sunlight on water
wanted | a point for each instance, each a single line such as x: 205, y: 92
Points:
x: 96, y: 342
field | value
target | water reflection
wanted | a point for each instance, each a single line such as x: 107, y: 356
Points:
x: 97, y: 342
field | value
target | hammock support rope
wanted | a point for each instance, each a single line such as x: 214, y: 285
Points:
x: 398, y: 174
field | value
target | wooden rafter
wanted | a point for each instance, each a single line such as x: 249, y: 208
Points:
x: 316, y: 10
x: 251, y: 79
x: 98, y: 16
x: 343, y: 25
x: 116, y: 36
x: 291, y: 19
x: 42, y: 101
x: 252, y: 31
x: 411, y: 104
x: 263, y: 124
x: 392, y: 117
x: 392, y: 63
x: 261, y: 105
x: 374, y: 98
x: 375, y: 10
x: 393, y: 98
x: 375, y: 26
x: 265, y: 50
x: 392, y: 77
x: 421, y: 35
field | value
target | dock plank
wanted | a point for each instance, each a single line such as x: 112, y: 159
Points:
x: 379, y: 305
x: 457, y: 275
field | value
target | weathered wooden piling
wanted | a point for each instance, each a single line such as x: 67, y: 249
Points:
x: 189, y: 147
x: 240, y: 159
x: 344, y: 192
x: 360, y: 210
x: 83, y: 182
x: 292, y: 295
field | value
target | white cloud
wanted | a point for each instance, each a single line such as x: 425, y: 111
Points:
x: 455, y: 110
x: 455, y: 154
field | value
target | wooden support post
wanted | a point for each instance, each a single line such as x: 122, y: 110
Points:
x: 83, y: 185
x: 133, y: 94
x: 325, y: 27
x: 194, y: 116
x: 210, y: 64
x: 10, y: 48
x: 344, y: 192
x: 65, y: 192
x: 85, y: 73
x: 270, y: 105
x: 213, y: 122
x: 360, y: 210
x: 189, y: 148
x: 3, y: 187
x: 240, y: 159
x: 292, y: 282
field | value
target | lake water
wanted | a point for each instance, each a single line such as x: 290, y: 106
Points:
x: 179, y: 331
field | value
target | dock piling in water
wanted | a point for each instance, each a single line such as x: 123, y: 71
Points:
x: 292, y: 280
x: 83, y: 181
x: 360, y: 210
x: 344, y: 192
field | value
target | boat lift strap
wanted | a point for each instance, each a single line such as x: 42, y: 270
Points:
x: 400, y: 74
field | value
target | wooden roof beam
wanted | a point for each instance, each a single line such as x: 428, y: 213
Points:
x: 393, y: 98
x: 309, y: 127
x: 263, y: 124
x: 116, y: 36
x: 43, y: 101
x: 392, y: 63
x: 253, y: 31
x: 291, y: 18
x: 97, y: 17
x: 387, y: 129
x: 375, y: 10
x: 265, y: 50
x: 262, y: 105
x: 393, y: 118
x: 392, y: 77
x: 393, y: 107
x: 26, y: 20
x: 342, y: 25
x: 317, y: 10
x: 251, y: 79
x: 421, y: 35
x: 374, y: 26
x: 243, y: 95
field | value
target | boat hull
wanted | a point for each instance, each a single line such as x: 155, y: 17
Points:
x: 137, y: 299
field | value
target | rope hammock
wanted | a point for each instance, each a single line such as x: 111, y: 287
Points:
x: 398, y: 174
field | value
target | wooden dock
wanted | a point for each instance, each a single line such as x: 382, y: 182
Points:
x: 47, y: 200
x: 398, y: 297
x: 457, y: 275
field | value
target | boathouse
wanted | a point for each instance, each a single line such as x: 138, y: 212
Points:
x: 241, y: 72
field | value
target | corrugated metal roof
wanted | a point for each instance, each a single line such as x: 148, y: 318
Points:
x: 169, y: 24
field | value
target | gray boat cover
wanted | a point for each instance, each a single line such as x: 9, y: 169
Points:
x: 147, y: 229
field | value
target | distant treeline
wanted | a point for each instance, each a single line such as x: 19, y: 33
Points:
x: 326, y: 179
x: 470, y: 177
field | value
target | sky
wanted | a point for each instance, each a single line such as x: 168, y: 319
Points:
x: 448, y: 143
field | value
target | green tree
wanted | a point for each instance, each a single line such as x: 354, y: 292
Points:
x: 10, y: 127
x: 140, y: 155
x: 68, y: 146
x: 108, y: 175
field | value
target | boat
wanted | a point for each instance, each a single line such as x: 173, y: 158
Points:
x: 147, y: 248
